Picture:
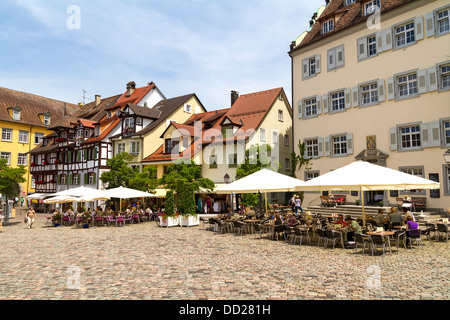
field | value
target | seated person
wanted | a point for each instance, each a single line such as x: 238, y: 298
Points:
x: 341, y: 221
x: 354, y: 228
x: 410, y: 225
x: 407, y: 214
x: 395, y: 218
x: 291, y: 220
x: 381, y: 220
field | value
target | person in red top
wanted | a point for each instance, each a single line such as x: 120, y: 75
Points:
x: 341, y: 221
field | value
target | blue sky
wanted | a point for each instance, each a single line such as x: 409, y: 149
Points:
x: 184, y: 46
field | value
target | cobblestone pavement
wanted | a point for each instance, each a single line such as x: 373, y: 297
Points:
x: 145, y: 262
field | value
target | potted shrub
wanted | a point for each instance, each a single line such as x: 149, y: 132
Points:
x: 186, y: 204
x: 56, y: 219
x: 170, y: 216
x: 86, y: 219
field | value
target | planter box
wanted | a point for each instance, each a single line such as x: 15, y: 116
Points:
x: 169, y: 222
x: 189, y: 221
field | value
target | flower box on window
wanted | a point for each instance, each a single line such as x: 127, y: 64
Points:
x: 61, y: 140
x: 45, y: 162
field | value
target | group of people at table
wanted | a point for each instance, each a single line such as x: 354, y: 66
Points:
x: 394, y: 220
x: 90, y: 214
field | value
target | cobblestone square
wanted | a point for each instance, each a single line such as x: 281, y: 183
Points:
x: 146, y: 262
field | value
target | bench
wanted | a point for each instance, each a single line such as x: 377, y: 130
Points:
x: 331, y: 201
x: 419, y: 203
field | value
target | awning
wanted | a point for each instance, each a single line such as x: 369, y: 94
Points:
x: 38, y: 196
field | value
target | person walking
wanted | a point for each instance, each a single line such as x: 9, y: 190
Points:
x: 298, y: 205
x: 31, y: 215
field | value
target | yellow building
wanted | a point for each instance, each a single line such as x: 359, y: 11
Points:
x: 24, y: 120
x: 374, y: 85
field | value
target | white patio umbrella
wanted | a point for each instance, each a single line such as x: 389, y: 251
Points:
x: 94, y: 195
x: 263, y: 181
x: 76, y: 192
x: 127, y: 193
x: 61, y: 199
x: 364, y: 176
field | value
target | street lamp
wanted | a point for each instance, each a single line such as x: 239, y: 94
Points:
x: 447, y: 156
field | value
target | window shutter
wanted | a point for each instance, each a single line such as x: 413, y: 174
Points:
x: 349, y: 143
x: 85, y: 151
x: 86, y: 178
x: 434, y: 134
x: 79, y: 179
x: 418, y: 25
x: 331, y: 58
x: 429, y: 23
x: 387, y: 39
x: 390, y: 88
x: 327, y: 146
x: 58, y: 179
x: 424, y: 128
x: 393, y: 138
x: 320, y: 146
x: 69, y: 181
x: 361, y: 46
x: 306, y: 156
x: 69, y: 157
x: 422, y: 81
x: 95, y: 151
x: 300, y: 109
x: 381, y: 91
x: 432, y: 79
x: 325, y: 103
x: 355, y: 94
x: 379, y: 37
x: 305, y: 67
x: 319, y: 104
x: 348, y: 100
x: 95, y: 177
x: 317, y: 57
x: 340, y: 56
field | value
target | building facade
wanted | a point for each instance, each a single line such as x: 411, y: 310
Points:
x: 371, y: 82
x: 25, y: 119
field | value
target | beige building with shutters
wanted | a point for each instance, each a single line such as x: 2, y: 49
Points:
x: 374, y: 85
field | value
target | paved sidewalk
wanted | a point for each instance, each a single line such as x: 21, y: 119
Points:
x: 143, y: 261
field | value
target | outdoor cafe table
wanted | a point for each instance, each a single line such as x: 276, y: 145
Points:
x: 383, y: 234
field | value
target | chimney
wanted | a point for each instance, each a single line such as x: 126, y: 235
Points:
x: 131, y: 87
x: 234, y: 97
x: 98, y: 100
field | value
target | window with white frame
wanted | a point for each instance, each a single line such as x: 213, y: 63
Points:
x: 446, y: 130
x: 443, y: 23
x: 337, y: 100
x: 310, y: 66
x: 328, y: 26
x: 404, y: 34
x: 444, y: 76
x: 128, y: 123
x: 310, y: 107
x: 47, y: 119
x: 23, y: 136
x: 75, y: 179
x: 80, y: 133
x: 274, y: 137
x: 410, y: 137
x: 407, y: 85
x: 135, y: 147
x: 311, y: 175
x: 262, y: 134
x: 139, y: 121
x: 22, y: 159
x: 62, y: 179
x: 16, y: 114
x: 349, y: 2
x: 280, y: 115
x: 6, y: 156
x: 371, y: 6
x: 371, y: 46
x: 33, y: 183
x: 415, y: 171
x: 120, y: 147
x: 91, y: 178
x: 187, y: 108
x: 339, y: 145
x: 7, y: 135
x: 369, y: 93
x: 312, y: 148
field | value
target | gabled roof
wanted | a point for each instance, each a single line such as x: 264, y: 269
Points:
x: 144, y: 111
x: 137, y: 95
x: 85, y: 123
x: 104, y: 134
x: 95, y: 112
x: 167, y: 107
x: 346, y: 17
x: 31, y: 106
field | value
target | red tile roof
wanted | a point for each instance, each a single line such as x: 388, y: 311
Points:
x: 134, y: 98
x: 345, y: 17
x: 104, y: 134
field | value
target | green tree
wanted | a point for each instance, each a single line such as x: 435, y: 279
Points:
x: 297, y: 162
x: 146, y: 180
x: 120, y: 173
x: 10, y: 179
x: 185, y: 179
x: 256, y: 158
